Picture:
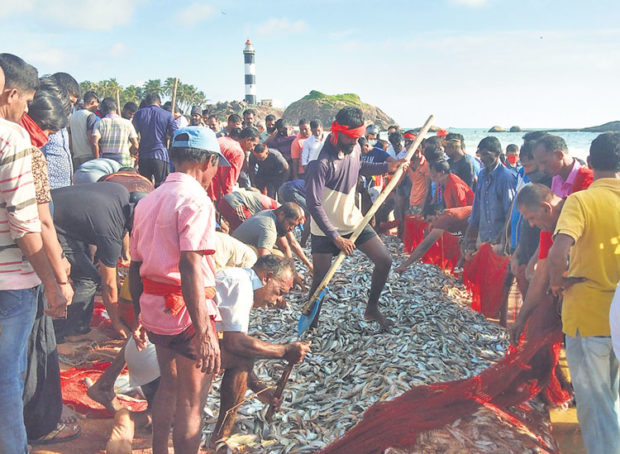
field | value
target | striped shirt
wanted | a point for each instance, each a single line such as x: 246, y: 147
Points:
x: 114, y: 133
x: 18, y: 207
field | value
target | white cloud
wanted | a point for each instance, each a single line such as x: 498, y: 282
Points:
x: 343, y: 34
x: 10, y: 7
x: 90, y: 14
x: 47, y: 57
x: 471, y: 3
x: 281, y: 25
x: 117, y: 50
x: 93, y: 15
x: 195, y: 13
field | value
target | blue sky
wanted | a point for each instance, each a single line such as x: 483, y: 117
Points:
x: 473, y: 63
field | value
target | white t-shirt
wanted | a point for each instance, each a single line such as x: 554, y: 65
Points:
x: 614, y: 321
x: 235, y: 298
x: 311, y: 148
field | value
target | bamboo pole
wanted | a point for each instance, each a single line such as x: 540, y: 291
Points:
x: 356, y: 233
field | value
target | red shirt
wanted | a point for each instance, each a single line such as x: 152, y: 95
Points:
x: 226, y: 178
x: 583, y: 180
x: 456, y: 193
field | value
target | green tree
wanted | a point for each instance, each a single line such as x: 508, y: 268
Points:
x: 153, y: 86
x: 131, y: 93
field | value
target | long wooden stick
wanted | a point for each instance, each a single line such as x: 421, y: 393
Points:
x: 371, y: 212
x: 356, y: 233
x: 174, y: 94
x: 118, y: 101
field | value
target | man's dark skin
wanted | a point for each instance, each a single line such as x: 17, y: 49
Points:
x: 468, y: 248
x: 240, y: 350
x: 374, y: 249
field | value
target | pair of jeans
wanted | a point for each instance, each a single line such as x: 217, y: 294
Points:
x: 17, y: 312
x: 595, y: 375
x: 85, y: 279
x: 42, y: 393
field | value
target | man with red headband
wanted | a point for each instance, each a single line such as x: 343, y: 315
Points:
x: 330, y: 196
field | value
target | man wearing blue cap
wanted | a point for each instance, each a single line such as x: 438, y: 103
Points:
x: 172, y: 276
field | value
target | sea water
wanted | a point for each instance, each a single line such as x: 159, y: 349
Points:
x: 578, y: 142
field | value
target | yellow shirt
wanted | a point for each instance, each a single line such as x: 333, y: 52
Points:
x: 592, y: 219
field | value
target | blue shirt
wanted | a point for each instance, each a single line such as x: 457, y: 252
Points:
x: 377, y: 155
x: 516, y: 218
x: 154, y: 125
x: 58, y: 157
x: 493, y: 202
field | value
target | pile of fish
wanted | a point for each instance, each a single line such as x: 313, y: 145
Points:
x: 352, y: 365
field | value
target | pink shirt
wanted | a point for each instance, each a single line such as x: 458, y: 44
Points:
x: 177, y: 216
x: 563, y: 188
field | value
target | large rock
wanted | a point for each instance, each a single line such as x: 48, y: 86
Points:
x: 325, y: 107
x: 497, y: 129
x: 612, y: 126
x: 516, y: 129
x: 225, y: 108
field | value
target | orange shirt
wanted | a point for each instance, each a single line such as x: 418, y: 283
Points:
x: 419, y: 182
x: 456, y: 193
x: 296, y: 147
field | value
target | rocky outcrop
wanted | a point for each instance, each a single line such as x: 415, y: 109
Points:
x: 612, y: 126
x: 225, y: 108
x: 497, y: 129
x: 516, y: 129
x: 324, y: 107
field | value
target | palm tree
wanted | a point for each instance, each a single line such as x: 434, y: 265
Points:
x: 152, y: 86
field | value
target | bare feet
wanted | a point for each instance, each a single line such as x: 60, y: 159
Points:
x: 69, y: 416
x: 122, y: 433
x: 374, y: 315
x: 105, y: 397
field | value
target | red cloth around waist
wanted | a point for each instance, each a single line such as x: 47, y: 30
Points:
x: 172, y: 293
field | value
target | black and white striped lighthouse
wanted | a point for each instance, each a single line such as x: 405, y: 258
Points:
x: 250, y: 73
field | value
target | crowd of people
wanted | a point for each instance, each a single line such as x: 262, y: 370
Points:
x: 213, y: 222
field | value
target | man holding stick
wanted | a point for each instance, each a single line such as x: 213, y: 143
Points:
x: 238, y: 291
x: 330, y: 194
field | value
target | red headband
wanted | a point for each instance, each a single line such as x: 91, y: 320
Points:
x: 352, y: 133
x: 410, y: 136
x: 442, y: 133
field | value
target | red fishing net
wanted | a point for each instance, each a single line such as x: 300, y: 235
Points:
x: 445, y: 253
x: 523, y: 373
x: 74, y: 383
x: 484, y: 277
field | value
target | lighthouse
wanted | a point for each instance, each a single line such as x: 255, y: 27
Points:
x: 250, y: 73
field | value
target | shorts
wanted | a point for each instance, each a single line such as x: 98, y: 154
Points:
x: 182, y: 343
x: 325, y: 245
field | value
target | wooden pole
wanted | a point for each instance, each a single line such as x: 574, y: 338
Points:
x: 371, y: 212
x: 356, y: 233
x: 174, y: 94
x: 118, y: 101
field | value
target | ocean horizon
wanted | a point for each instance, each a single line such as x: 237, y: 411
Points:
x: 578, y: 142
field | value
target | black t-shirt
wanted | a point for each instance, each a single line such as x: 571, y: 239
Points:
x: 464, y: 169
x: 271, y: 170
x: 95, y: 213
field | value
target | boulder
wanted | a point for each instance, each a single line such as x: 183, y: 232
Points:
x: 516, y: 129
x: 325, y: 107
x: 497, y: 129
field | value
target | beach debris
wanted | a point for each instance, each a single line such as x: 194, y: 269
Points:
x: 352, y: 365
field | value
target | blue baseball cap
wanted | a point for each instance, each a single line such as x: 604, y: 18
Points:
x: 201, y: 138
